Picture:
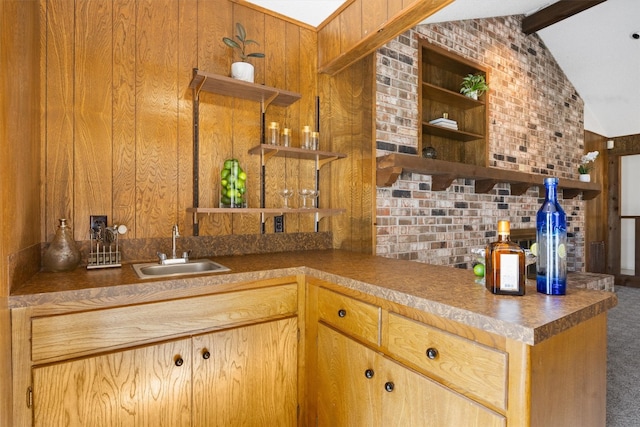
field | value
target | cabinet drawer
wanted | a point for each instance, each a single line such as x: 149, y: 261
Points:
x: 75, y: 334
x: 356, y: 318
x: 473, y: 368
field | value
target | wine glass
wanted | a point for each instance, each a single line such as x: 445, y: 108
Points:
x: 305, y: 193
x: 313, y: 195
x: 286, y: 194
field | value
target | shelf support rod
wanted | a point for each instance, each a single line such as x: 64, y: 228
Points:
x: 196, y: 153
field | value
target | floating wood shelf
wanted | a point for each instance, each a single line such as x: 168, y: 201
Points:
x: 443, y: 174
x: 322, y: 157
x: 269, y: 212
x: 222, y: 85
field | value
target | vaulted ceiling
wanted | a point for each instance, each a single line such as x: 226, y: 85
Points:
x: 595, y: 48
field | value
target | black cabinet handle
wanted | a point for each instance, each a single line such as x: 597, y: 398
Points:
x: 389, y: 386
x: 342, y: 312
x: 432, y: 353
x: 206, y: 354
x: 179, y: 361
x: 369, y: 373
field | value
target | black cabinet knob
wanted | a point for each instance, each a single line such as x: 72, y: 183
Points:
x: 389, y: 386
x: 206, y: 354
x: 342, y: 312
x: 179, y: 361
x: 432, y: 353
x: 369, y: 373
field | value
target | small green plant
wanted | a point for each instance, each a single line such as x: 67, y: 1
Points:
x: 473, y: 83
x: 242, y: 46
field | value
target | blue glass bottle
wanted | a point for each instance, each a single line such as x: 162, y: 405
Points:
x: 551, y: 239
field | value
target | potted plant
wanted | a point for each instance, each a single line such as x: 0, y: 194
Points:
x: 584, y: 167
x: 242, y: 70
x: 473, y: 85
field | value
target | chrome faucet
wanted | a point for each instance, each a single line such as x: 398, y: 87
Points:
x: 174, y: 234
x: 162, y: 257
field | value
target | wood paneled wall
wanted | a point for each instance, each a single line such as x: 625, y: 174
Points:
x: 118, y: 112
x: 596, y: 229
x: 350, y: 107
x: 19, y: 159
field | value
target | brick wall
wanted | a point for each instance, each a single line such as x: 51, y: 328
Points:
x: 535, y: 125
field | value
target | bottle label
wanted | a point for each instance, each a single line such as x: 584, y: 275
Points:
x: 509, y: 272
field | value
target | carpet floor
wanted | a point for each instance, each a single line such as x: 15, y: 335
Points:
x: 623, y: 360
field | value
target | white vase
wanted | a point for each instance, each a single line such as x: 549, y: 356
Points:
x: 242, y: 71
x: 585, y: 177
x: 473, y: 95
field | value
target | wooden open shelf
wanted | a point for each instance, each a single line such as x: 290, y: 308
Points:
x: 443, y: 173
x: 322, y: 157
x: 266, y: 213
x: 222, y: 85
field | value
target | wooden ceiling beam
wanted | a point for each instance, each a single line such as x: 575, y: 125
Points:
x: 556, y: 12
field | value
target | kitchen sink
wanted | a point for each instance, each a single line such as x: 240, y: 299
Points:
x: 196, y: 266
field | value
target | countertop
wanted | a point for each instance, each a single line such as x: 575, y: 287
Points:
x: 444, y: 291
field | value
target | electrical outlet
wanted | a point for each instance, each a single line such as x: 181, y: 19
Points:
x: 278, y: 224
x: 96, y: 222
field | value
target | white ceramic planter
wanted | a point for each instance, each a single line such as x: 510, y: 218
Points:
x: 242, y: 71
x: 585, y: 177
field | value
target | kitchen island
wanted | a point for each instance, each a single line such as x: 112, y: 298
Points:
x: 520, y: 361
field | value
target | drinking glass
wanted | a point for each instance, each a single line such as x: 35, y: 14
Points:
x: 286, y: 194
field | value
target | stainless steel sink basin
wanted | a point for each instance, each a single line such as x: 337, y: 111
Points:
x: 196, y: 266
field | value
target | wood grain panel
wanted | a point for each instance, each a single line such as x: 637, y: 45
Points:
x: 251, y: 374
x: 216, y: 112
x: 187, y: 57
x: 124, y: 118
x: 275, y: 33
x: 93, y: 182
x: 351, y: 25
x: 246, y: 117
x: 571, y: 364
x: 20, y: 133
x: 133, y: 62
x: 307, y: 106
x: 328, y: 45
x: 294, y: 54
x: 373, y: 15
x: 351, y: 98
x: 156, y: 112
x: 394, y: 7
x: 135, y: 387
x: 464, y: 365
x: 596, y: 229
x: 77, y: 334
x: 60, y: 116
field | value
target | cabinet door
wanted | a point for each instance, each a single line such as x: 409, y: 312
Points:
x: 247, y: 376
x: 148, y: 386
x: 411, y: 399
x: 360, y: 387
x: 346, y: 375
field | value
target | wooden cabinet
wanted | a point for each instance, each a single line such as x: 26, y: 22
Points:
x: 358, y: 386
x: 242, y: 376
x: 210, y: 360
x: 361, y: 381
x: 149, y: 386
x: 441, y: 75
x: 246, y: 376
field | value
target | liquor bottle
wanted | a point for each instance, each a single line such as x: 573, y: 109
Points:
x: 551, y: 239
x: 505, y: 273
